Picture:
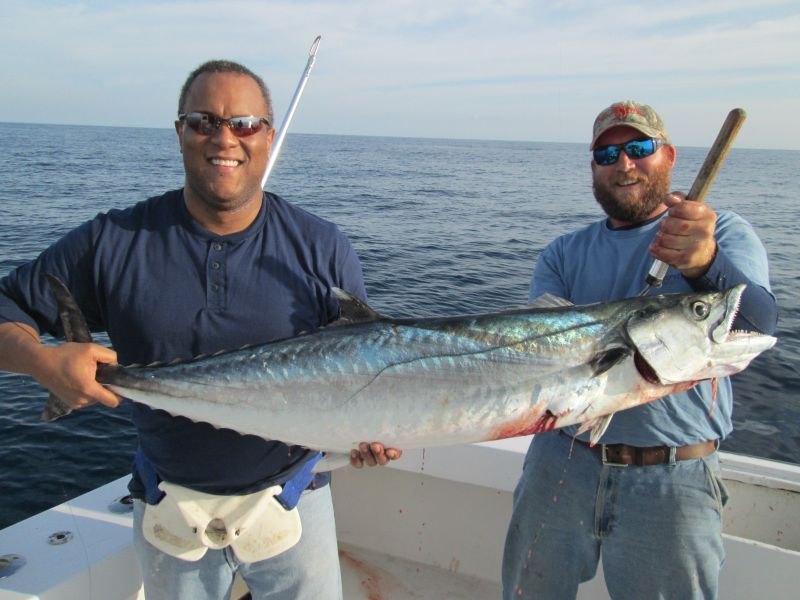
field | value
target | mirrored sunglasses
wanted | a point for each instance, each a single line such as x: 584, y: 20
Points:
x: 207, y: 123
x: 608, y: 155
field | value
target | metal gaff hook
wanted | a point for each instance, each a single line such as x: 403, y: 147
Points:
x: 276, y: 145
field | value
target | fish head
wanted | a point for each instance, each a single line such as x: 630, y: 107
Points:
x: 688, y: 338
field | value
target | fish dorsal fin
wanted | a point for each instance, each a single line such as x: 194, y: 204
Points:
x: 352, y: 310
x: 548, y: 300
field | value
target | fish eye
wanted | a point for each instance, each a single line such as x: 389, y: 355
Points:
x: 700, y: 310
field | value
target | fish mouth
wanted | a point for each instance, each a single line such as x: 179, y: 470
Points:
x: 647, y: 372
x: 720, y: 333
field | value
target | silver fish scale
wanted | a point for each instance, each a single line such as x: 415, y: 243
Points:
x: 351, y: 365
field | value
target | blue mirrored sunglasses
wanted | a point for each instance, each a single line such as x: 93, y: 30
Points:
x: 208, y: 123
x: 608, y: 155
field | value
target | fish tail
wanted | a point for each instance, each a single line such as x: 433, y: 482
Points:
x: 75, y: 330
x: 75, y: 327
x: 55, y: 408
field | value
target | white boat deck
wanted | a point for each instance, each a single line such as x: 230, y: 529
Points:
x: 370, y: 576
x: 432, y: 526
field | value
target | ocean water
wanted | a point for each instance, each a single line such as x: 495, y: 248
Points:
x: 442, y: 227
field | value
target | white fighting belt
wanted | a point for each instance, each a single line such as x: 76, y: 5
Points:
x: 186, y: 523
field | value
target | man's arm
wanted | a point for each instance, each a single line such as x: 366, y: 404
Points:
x: 67, y: 370
x: 687, y: 241
x: 27, y: 307
x: 547, y: 277
x: 758, y: 309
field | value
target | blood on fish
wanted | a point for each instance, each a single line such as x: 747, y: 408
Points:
x: 532, y: 422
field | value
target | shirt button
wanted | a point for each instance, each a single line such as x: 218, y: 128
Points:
x: 214, y: 287
x: 217, y: 246
x: 215, y: 265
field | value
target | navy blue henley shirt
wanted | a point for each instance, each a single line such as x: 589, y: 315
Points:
x: 163, y: 287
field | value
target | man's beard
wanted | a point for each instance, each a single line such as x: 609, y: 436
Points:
x: 642, y: 205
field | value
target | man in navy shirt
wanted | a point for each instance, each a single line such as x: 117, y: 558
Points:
x: 649, y: 497
x: 213, y: 266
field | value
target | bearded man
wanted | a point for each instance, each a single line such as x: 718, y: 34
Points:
x: 649, y: 498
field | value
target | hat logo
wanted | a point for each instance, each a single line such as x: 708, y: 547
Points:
x: 621, y: 111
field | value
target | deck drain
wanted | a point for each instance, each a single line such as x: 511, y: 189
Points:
x: 59, y: 537
x: 121, y: 505
x: 10, y: 564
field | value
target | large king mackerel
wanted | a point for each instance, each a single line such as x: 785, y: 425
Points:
x: 411, y: 383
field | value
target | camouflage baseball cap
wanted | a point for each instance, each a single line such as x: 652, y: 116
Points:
x: 630, y: 114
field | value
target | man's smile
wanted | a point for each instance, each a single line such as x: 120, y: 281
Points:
x: 225, y: 162
x: 628, y: 181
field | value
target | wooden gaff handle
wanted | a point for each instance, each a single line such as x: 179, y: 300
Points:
x: 702, y: 183
x: 716, y: 156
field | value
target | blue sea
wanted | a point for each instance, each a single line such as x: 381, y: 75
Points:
x: 442, y: 227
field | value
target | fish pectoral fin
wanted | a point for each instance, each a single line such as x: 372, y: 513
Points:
x: 331, y: 461
x: 597, y: 426
x: 606, y: 359
x: 352, y: 310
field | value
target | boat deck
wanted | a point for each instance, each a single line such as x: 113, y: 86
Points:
x: 431, y: 526
x: 370, y: 576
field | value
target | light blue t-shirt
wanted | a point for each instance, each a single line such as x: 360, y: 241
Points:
x: 597, y: 264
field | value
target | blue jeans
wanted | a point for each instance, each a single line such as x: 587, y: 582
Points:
x: 659, y: 527
x: 307, y: 571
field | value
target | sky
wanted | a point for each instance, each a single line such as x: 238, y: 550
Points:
x: 482, y: 69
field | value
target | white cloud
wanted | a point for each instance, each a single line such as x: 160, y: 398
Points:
x: 487, y: 69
